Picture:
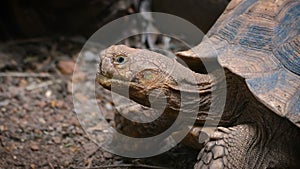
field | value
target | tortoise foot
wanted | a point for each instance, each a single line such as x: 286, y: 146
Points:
x: 227, y: 148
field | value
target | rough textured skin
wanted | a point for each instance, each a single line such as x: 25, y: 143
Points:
x: 150, y: 77
x: 257, y: 44
x: 226, y: 140
x: 153, y: 128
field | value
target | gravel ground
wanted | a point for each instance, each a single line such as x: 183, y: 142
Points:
x: 38, y: 125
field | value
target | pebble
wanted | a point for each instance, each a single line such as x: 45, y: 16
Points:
x: 42, y: 120
x: 48, y: 93
x: 66, y: 66
x: 56, y: 140
x: 34, y: 147
x: 32, y: 166
x: 22, y: 83
x: 3, y: 128
x: 50, y: 128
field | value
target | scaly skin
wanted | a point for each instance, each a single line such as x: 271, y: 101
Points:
x: 255, y: 138
x: 155, y: 74
x: 145, y: 72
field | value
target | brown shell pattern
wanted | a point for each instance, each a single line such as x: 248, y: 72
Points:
x: 260, y: 41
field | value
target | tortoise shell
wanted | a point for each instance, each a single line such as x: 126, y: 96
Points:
x: 260, y: 41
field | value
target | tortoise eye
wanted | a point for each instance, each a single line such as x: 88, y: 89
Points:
x: 120, y: 59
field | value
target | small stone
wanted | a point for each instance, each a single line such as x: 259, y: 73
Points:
x: 32, y: 166
x: 22, y: 83
x: 3, y: 128
x: 48, y: 93
x: 56, y: 140
x: 42, y: 120
x: 66, y: 66
x: 3, y: 109
x: 34, y: 147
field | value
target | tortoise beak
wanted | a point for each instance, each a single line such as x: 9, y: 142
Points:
x: 103, y: 81
x: 101, y: 78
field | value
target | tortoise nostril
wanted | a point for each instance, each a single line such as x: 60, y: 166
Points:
x: 106, y: 68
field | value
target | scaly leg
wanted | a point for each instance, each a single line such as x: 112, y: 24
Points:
x: 227, y: 148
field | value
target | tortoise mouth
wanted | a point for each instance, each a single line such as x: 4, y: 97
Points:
x: 116, y: 82
x: 103, y: 80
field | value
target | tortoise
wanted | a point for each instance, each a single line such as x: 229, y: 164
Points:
x: 257, y: 44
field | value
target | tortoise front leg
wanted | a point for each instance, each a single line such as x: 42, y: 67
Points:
x: 227, y: 148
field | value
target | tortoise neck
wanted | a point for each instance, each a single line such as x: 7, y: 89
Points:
x: 190, y: 94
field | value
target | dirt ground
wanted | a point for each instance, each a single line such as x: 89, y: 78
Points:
x: 38, y: 125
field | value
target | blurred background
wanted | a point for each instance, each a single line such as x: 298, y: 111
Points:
x: 33, y: 18
x: 39, y: 44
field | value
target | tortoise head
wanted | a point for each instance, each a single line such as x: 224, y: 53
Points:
x: 141, y: 74
x: 123, y: 69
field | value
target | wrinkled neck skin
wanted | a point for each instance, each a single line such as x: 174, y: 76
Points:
x: 184, y: 90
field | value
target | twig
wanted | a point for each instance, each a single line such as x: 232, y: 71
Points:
x: 50, y: 165
x: 125, y: 165
x: 20, y: 74
x: 40, y: 85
